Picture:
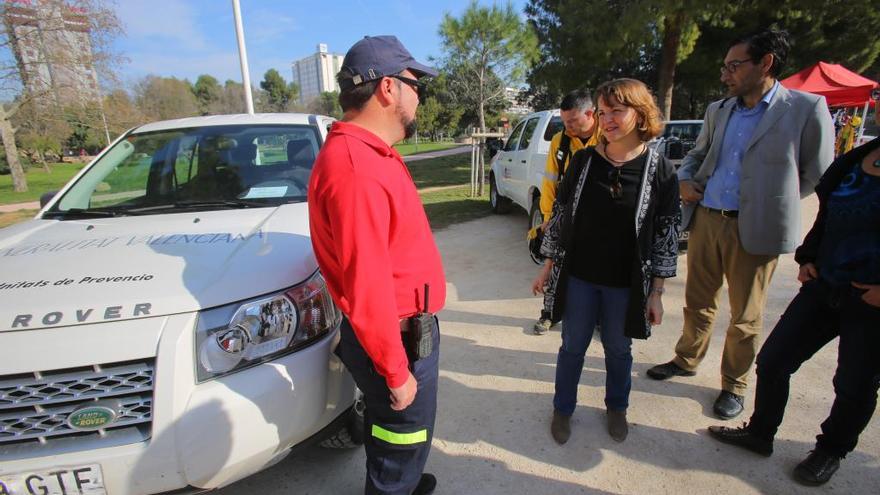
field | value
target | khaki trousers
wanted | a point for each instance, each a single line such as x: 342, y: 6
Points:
x: 715, y: 253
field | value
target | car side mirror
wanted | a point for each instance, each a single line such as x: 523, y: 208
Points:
x: 46, y: 197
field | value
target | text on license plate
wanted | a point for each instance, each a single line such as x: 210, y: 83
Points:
x: 78, y: 480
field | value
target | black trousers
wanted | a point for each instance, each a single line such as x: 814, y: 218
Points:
x: 397, y: 442
x: 816, y: 316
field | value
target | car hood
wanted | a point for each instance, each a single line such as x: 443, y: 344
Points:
x: 58, y: 273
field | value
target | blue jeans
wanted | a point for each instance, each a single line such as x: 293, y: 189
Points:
x: 586, y: 305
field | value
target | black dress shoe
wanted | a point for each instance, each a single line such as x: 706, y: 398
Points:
x: 742, y: 437
x: 728, y: 405
x: 668, y: 370
x: 426, y: 485
x: 817, y: 468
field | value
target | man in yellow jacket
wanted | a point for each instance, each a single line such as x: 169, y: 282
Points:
x: 576, y: 111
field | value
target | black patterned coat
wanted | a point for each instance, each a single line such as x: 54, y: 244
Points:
x: 656, y: 226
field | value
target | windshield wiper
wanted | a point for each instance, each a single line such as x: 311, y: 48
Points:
x: 210, y: 203
x: 83, y: 213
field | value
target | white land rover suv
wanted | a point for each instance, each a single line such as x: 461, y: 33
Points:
x: 164, y: 326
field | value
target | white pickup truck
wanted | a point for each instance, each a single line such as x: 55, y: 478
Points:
x: 164, y: 326
x: 517, y: 169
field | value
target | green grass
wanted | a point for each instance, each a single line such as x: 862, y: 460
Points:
x: 442, y: 171
x: 449, y: 206
x: 412, y: 148
x: 38, y: 182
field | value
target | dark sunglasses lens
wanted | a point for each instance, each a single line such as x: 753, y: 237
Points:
x: 875, y: 94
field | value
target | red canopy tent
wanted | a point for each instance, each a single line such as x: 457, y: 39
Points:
x: 839, y: 86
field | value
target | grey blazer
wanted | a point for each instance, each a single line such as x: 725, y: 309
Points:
x: 788, y: 153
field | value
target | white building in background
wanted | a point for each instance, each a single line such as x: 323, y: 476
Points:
x: 514, y: 105
x: 53, y: 51
x: 316, y: 73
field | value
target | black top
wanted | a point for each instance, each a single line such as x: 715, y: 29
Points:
x: 604, y: 236
x: 850, y: 247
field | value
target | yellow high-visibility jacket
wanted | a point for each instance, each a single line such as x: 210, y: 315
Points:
x: 551, y: 171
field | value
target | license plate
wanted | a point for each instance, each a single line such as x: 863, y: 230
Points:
x: 77, y: 480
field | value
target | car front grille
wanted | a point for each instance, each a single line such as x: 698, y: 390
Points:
x: 34, y: 407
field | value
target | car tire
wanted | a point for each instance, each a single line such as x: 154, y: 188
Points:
x: 500, y: 204
x: 535, y: 218
x: 352, y: 434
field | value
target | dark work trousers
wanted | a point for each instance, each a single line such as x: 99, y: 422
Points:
x: 816, y: 316
x: 397, y: 442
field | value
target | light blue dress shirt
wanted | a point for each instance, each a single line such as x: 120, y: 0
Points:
x: 722, y: 190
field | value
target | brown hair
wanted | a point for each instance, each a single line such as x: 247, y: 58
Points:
x: 633, y: 93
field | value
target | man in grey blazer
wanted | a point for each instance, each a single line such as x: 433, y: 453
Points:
x: 760, y: 151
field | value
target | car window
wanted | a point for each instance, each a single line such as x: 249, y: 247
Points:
x: 553, y: 127
x: 527, y: 133
x: 513, y: 140
x: 684, y: 132
x: 264, y: 163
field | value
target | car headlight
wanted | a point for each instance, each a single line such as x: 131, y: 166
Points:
x: 243, y: 334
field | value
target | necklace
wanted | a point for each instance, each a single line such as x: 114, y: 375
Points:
x: 642, y: 150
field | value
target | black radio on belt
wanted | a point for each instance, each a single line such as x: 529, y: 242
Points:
x: 419, y: 339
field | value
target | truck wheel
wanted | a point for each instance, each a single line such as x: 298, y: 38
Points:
x: 499, y: 203
x: 352, y: 434
x: 535, y: 218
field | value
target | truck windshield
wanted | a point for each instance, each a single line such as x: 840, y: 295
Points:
x: 207, y: 167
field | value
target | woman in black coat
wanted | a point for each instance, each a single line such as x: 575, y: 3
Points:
x: 613, y: 238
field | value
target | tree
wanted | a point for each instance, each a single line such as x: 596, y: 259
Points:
x: 492, y: 45
x: 279, y: 94
x: 656, y: 40
x: 54, y: 29
x: 208, y: 93
x: 327, y: 103
x: 162, y: 98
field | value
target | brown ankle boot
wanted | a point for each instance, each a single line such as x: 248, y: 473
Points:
x: 560, y: 427
x: 617, y: 425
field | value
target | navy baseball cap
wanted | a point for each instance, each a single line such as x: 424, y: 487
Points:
x: 375, y: 57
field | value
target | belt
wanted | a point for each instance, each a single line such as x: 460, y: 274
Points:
x: 723, y: 213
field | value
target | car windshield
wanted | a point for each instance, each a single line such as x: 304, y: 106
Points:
x: 684, y: 132
x: 197, y: 168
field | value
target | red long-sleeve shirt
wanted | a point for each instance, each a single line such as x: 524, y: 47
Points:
x: 373, y: 242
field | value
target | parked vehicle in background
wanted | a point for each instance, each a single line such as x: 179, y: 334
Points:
x: 679, y: 137
x: 517, y: 169
x: 164, y: 322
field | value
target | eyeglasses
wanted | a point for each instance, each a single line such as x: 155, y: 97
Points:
x: 730, y: 67
x: 614, y: 186
x: 875, y: 94
x: 418, y: 86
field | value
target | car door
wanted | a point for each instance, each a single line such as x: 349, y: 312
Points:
x: 503, y: 161
x: 519, y: 168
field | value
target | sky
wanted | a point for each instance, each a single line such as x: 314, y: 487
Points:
x: 186, y: 38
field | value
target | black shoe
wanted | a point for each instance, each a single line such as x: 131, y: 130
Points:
x: 742, y: 437
x: 817, y: 468
x: 668, y: 370
x: 426, y: 485
x: 728, y: 405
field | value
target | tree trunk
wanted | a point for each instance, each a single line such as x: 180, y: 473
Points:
x: 41, y: 156
x: 672, y: 26
x: 7, y: 134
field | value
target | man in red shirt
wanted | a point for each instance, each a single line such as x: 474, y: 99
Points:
x: 376, y: 250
